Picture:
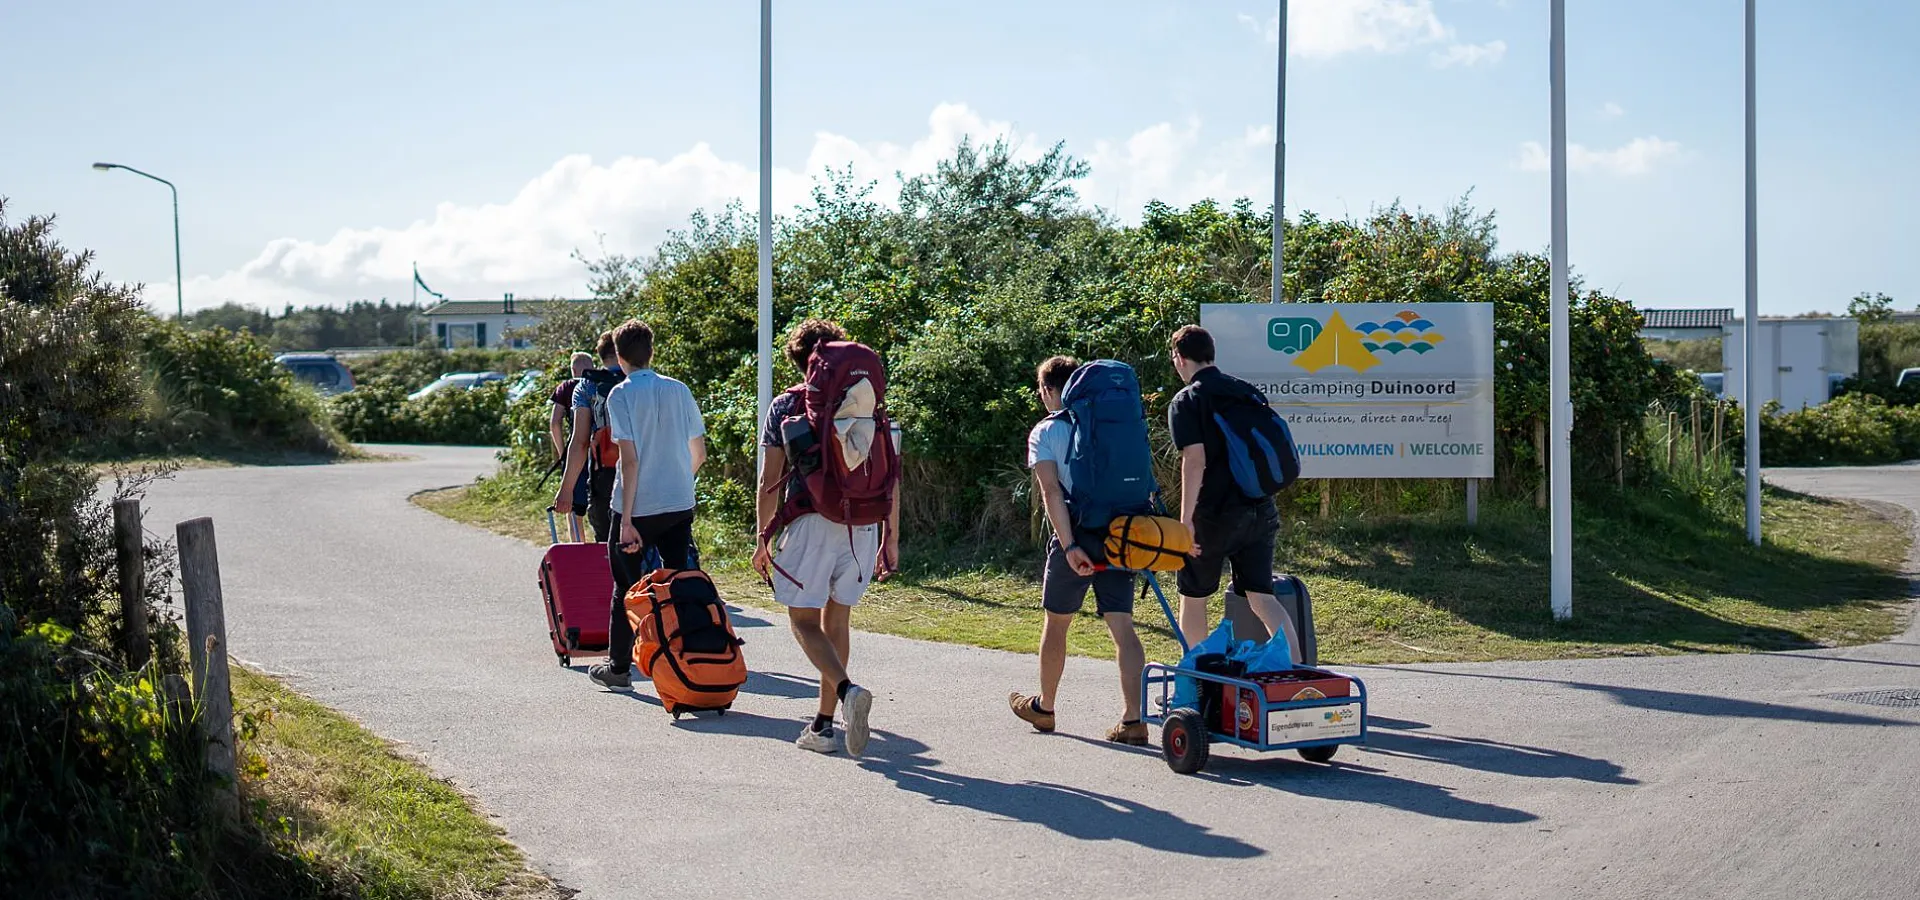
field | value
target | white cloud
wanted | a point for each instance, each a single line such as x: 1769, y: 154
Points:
x: 525, y: 244
x: 1636, y: 157
x: 1322, y: 29
x: 1612, y: 110
x: 1488, y: 53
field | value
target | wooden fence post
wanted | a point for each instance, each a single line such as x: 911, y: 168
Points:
x: 1673, y: 445
x: 1719, y: 417
x: 1619, y: 457
x: 1540, y: 454
x: 1326, y: 497
x: 133, y: 583
x: 207, y: 644
x: 1695, y: 428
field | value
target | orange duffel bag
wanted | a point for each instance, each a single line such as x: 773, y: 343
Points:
x: 1148, y: 543
x: 685, y: 642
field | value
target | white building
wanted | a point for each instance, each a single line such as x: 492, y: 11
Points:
x: 1801, y: 361
x: 486, y: 323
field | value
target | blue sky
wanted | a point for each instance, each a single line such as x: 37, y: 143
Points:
x: 321, y: 149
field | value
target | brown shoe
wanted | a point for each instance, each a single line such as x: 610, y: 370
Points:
x: 1027, y: 708
x: 1133, y: 734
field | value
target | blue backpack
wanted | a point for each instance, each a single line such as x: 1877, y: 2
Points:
x: 1111, y: 463
x: 1260, y: 451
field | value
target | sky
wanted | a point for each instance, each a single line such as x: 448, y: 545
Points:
x: 322, y: 150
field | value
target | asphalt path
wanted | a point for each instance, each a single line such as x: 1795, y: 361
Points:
x: 1699, y: 776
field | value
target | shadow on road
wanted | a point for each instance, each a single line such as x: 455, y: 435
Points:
x: 1690, y: 704
x: 1074, y: 812
x: 1392, y: 737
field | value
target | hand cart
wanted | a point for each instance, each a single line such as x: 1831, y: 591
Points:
x: 1326, y: 709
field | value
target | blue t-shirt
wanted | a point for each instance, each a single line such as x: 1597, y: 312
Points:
x: 659, y: 415
x: 1050, y: 441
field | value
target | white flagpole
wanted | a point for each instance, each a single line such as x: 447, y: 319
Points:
x: 1280, y: 164
x: 1560, y: 407
x: 765, y: 336
x: 1750, y: 335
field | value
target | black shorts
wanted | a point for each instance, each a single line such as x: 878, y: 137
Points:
x: 1064, y: 591
x: 1241, y: 535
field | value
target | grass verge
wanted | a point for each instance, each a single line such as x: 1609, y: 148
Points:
x: 368, y: 822
x: 1658, y: 571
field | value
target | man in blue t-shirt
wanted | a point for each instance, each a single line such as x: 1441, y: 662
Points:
x: 662, y: 439
x: 1072, y: 557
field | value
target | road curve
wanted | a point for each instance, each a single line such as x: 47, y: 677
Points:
x: 1731, y: 776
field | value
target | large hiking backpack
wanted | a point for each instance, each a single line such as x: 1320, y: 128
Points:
x: 1260, y: 451
x: 605, y: 453
x: 684, y: 641
x: 1110, y: 462
x: 841, y: 446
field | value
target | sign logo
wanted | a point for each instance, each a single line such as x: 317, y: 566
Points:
x: 1243, y: 715
x: 1338, y: 716
x: 1309, y: 694
x: 1314, y: 346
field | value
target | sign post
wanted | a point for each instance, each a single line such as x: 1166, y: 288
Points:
x: 1370, y: 390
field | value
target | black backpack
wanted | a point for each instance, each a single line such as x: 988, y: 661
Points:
x: 1260, y: 452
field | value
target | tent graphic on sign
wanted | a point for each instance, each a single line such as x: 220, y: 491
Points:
x: 1338, y: 345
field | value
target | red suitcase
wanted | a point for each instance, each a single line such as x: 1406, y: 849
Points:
x: 578, y: 589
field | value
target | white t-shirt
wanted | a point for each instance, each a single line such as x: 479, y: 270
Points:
x: 659, y: 416
x: 1050, y: 441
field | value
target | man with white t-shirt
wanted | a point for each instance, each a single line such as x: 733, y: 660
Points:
x: 662, y: 441
x: 1072, y: 558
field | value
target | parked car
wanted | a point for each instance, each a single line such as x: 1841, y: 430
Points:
x: 1907, y: 377
x: 526, y: 383
x: 327, y: 375
x: 1715, y: 382
x: 465, y: 381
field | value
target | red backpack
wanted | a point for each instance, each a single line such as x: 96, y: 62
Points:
x: 856, y: 495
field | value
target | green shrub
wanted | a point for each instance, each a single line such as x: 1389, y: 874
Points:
x: 1853, y: 429
x: 223, y: 387
x: 381, y: 413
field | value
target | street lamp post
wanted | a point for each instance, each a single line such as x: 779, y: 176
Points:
x: 179, y: 291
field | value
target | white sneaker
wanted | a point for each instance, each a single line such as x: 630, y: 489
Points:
x: 855, y: 706
x: 817, y: 741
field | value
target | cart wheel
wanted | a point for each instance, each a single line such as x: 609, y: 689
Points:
x: 1184, y: 741
x: 1320, y: 754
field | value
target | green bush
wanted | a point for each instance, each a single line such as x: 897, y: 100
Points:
x: 381, y: 413
x: 223, y: 387
x: 1853, y: 429
x: 413, y: 369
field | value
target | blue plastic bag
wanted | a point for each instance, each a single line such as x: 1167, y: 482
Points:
x: 1186, y: 691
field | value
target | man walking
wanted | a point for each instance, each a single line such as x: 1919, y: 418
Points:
x: 591, y: 453
x: 662, y: 441
x: 820, y: 567
x: 1072, y: 555
x: 1228, y: 527
x: 558, y: 423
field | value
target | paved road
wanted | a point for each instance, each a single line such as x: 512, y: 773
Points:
x: 1729, y: 776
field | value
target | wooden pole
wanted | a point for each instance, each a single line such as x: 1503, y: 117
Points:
x: 207, y: 645
x: 1473, y: 502
x: 1695, y: 428
x: 1540, y: 453
x: 1673, y: 425
x: 133, y: 583
x: 1326, y: 497
x: 1719, y: 418
x: 1619, y: 457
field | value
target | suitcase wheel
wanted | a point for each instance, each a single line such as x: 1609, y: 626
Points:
x: 565, y: 660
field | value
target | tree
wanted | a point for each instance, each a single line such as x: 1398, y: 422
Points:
x: 1871, y: 309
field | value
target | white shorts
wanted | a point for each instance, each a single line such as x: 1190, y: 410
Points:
x: 820, y: 559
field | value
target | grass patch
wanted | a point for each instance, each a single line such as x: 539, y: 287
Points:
x: 1660, y: 571
x: 369, y: 822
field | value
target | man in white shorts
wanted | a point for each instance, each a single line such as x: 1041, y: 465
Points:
x: 820, y: 568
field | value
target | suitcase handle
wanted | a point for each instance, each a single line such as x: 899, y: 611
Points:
x: 553, y: 529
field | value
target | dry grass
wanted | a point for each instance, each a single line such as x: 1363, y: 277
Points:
x: 376, y: 824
